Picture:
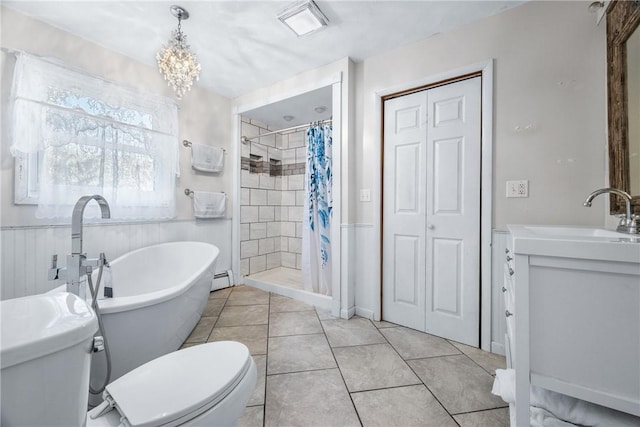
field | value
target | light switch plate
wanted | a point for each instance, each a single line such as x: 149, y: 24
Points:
x: 365, y: 195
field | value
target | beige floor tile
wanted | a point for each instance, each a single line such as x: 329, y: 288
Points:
x: 489, y: 361
x: 299, y: 353
x: 214, y: 307
x: 294, y: 323
x: 412, y: 344
x: 372, y: 367
x: 491, y: 418
x: 281, y: 304
x: 202, y: 330
x: 324, y: 314
x: 314, y: 398
x: 253, y: 336
x: 249, y: 296
x: 458, y: 383
x: 243, y: 315
x: 252, y: 417
x: 356, y: 331
x: 402, y: 406
x: 382, y: 324
x: 220, y: 293
x: 257, y: 398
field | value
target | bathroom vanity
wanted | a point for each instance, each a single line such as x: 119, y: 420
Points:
x: 572, y: 305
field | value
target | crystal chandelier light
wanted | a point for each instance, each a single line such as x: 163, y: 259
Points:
x: 176, y: 62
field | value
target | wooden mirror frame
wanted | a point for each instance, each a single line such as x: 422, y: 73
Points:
x: 623, y: 17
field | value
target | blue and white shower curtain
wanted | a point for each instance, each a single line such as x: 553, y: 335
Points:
x: 318, y: 204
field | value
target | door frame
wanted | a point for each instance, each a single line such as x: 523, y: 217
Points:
x: 485, y: 69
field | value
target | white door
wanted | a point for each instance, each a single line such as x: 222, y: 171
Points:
x: 431, y: 211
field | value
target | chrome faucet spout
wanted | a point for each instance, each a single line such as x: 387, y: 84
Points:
x: 627, y: 224
x: 76, y: 219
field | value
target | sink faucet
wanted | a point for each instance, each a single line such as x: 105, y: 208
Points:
x: 78, y: 264
x: 628, y: 222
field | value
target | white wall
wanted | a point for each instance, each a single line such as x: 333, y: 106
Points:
x: 549, y: 72
x: 550, y: 63
x: 204, y: 117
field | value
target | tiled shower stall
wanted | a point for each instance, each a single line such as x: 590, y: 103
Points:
x: 272, y: 199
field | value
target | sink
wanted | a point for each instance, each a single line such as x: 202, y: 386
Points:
x: 584, y: 232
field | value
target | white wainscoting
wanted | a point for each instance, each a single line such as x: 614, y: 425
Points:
x: 26, y: 251
x: 365, y: 289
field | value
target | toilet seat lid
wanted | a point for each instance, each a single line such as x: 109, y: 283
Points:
x: 182, y: 384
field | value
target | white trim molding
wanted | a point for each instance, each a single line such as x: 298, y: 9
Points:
x: 486, y: 68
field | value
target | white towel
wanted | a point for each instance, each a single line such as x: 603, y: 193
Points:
x: 206, y: 158
x: 209, y: 205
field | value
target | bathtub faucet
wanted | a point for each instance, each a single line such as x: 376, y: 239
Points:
x: 78, y: 265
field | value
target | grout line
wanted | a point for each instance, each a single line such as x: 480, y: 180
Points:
x: 472, y: 359
x: 303, y: 371
x: 419, y: 378
x: 339, y: 370
x: 481, y: 410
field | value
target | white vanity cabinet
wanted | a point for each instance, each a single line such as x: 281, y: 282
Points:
x: 572, y: 300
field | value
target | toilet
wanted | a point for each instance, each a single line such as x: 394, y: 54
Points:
x: 45, y: 355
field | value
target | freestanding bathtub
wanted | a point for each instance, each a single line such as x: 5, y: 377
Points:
x: 159, y: 294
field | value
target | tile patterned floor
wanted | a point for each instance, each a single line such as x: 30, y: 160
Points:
x: 316, y: 370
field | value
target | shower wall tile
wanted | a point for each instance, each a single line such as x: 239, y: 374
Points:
x: 301, y: 155
x: 249, y: 180
x: 288, y: 156
x: 296, y: 139
x: 295, y: 245
x: 279, y: 140
x: 296, y: 212
x: 296, y: 182
x: 274, y: 197
x: 277, y: 213
x: 284, y: 244
x: 267, y: 182
x: 289, y: 229
x: 288, y: 259
x: 288, y: 198
x: 260, y: 150
x: 274, y: 260
x: 249, y: 249
x: 245, y: 232
x: 284, y: 213
x: 258, y: 197
x: 267, y: 213
x: 249, y: 130
x: 245, y: 149
x: 274, y: 153
x: 244, y: 267
x: 300, y: 194
x: 269, y: 140
x: 266, y: 246
x: 274, y: 229
x: 258, y: 230
x: 276, y: 244
x: 245, y: 196
x: 257, y: 264
x: 249, y: 213
x: 298, y: 229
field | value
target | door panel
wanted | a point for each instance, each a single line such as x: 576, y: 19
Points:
x: 431, y: 211
x: 403, y: 262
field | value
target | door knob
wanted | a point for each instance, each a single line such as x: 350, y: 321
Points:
x: 431, y: 226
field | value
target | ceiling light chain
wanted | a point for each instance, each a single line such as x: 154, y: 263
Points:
x: 176, y: 62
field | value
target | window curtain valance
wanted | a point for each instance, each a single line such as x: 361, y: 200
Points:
x: 94, y: 136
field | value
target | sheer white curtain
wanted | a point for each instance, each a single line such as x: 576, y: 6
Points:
x: 317, y: 258
x: 93, y: 136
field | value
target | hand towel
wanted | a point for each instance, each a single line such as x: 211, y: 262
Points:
x: 209, y: 205
x: 206, y: 159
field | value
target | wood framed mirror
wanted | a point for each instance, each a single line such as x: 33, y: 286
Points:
x: 623, y: 98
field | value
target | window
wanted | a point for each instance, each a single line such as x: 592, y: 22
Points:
x: 75, y: 134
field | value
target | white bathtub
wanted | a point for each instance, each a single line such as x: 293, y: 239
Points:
x: 159, y: 294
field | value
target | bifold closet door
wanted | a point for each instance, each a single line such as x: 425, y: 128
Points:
x: 431, y: 211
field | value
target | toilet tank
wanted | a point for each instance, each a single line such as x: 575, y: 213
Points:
x: 45, y: 354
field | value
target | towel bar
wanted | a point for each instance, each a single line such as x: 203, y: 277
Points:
x: 189, y: 192
x: 187, y: 143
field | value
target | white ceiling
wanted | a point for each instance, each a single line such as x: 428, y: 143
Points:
x: 242, y: 46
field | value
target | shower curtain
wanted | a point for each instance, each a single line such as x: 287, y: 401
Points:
x: 318, y: 202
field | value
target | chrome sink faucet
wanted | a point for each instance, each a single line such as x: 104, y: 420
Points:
x: 628, y: 221
x: 78, y: 265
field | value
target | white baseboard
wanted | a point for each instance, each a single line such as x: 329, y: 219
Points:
x: 364, y: 312
x: 497, y: 348
x: 348, y: 313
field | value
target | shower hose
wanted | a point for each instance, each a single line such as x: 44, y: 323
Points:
x: 94, y: 305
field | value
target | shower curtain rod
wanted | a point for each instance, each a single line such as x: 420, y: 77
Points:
x: 244, y: 139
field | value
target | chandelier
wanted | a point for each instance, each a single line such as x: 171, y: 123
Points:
x: 176, y: 62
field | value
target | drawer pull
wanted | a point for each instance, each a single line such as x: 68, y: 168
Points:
x: 507, y: 313
x: 504, y: 289
x: 506, y: 250
x: 509, y: 258
x: 511, y: 271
